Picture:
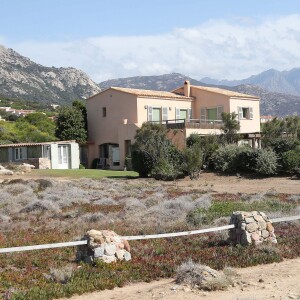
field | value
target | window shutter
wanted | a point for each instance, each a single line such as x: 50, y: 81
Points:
x: 177, y: 113
x: 190, y: 116
x: 219, y: 112
x: 165, y: 113
x: 203, y: 114
x: 149, y: 113
x: 251, y: 113
x: 240, y: 112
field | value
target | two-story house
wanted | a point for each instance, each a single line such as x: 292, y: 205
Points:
x: 116, y: 113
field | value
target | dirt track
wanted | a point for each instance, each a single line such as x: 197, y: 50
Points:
x: 274, y: 281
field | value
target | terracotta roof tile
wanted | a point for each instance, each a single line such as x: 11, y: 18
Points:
x: 151, y: 93
x: 223, y: 92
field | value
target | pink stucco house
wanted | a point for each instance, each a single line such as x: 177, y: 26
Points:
x: 115, y: 114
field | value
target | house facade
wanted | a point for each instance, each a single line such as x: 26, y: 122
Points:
x: 116, y: 113
x: 51, y: 155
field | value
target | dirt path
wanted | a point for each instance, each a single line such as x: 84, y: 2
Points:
x: 274, y: 281
x: 235, y: 184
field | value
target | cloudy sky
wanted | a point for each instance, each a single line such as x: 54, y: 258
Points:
x: 108, y: 39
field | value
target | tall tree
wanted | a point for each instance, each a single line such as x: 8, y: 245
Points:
x: 231, y: 126
x: 71, y: 124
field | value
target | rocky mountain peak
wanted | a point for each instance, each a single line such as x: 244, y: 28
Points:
x: 22, y: 78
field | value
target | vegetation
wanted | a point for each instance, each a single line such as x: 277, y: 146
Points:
x: 35, y: 127
x: 71, y: 123
x: 48, y: 211
x: 84, y: 173
x: 154, y: 154
x: 231, y: 126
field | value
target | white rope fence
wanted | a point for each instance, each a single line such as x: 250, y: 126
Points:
x: 135, y: 237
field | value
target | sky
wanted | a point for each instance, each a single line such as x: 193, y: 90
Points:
x: 107, y: 39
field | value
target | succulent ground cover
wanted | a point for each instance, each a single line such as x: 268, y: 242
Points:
x: 37, y: 211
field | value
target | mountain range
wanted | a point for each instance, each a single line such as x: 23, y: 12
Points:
x: 24, y: 79
x: 285, y: 82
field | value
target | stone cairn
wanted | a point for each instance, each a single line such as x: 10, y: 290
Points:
x: 251, y: 227
x: 104, y: 245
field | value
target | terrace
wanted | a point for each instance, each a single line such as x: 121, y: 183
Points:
x: 191, y: 124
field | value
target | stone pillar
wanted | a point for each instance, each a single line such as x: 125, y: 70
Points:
x: 104, y: 245
x: 251, y: 227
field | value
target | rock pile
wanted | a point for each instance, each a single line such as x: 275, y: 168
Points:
x: 104, y: 245
x: 251, y: 227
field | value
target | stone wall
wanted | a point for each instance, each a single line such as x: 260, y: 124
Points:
x: 104, y: 245
x: 251, y: 227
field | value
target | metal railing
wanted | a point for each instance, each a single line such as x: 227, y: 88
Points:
x: 191, y: 123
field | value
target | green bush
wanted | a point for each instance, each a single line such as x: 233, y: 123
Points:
x: 291, y: 160
x: 153, y: 154
x: 233, y: 158
x: 193, y: 161
x: 266, y: 162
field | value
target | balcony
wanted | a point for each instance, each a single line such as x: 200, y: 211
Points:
x: 191, y: 124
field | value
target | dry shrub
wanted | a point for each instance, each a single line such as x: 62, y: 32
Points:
x: 94, y: 217
x: 62, y: 275
x: 205, y: 201
x: 40, y: 205
x: 294, y: 198
x: 268, y: 248
x: 201, y: 276
x: 133, y: 205
x: 105, y: 201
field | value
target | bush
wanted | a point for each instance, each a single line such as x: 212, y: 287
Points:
x: 153, y: 154
x: 201, y: 276
x: 266, y: 162
x: 291, y: 160
x: 233, y: 158
x: 193, y: 161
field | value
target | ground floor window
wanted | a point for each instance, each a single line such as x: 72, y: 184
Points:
x: 20, y: 153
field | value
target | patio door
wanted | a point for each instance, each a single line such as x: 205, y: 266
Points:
x: 63, y: 157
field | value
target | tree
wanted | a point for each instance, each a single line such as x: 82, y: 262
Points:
x: 71, y: 124
x: 230, y: 127
x: 153, y: 154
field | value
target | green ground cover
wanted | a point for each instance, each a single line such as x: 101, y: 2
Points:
x: 87, y: 173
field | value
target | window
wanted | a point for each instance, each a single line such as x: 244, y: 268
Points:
x: 157, y: 114
x: 127, y: 148
x: 211, y: 114
x: 183, y: 113
x: 104, y: 112
x: 245, y: 113
x: 20, y: 153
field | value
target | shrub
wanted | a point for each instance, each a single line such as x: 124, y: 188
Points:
x: 233, y: 158
x: 201, y: 276
x: 291, y: 160
x: 62, y: 275
x: 266, y: 162
x: 153, y: 154
x: 193, y: 161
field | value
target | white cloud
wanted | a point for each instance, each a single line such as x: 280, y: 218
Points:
x: 231, y: 49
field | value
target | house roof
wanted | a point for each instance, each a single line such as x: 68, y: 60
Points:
x: 149, y: 93
x: 35, y: 144
x: 223, y: 92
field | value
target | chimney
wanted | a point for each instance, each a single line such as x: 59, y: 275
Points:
x: 187, y: 88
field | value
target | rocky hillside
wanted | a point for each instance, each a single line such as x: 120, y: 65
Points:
x: 277, y: 104
x: 285, y: 82
x: 22, y: 78
x: 166, y: 82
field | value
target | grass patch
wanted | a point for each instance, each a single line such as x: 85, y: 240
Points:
x: 85, y: 173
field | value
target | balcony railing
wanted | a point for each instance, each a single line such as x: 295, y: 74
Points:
x: 192, y: 123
